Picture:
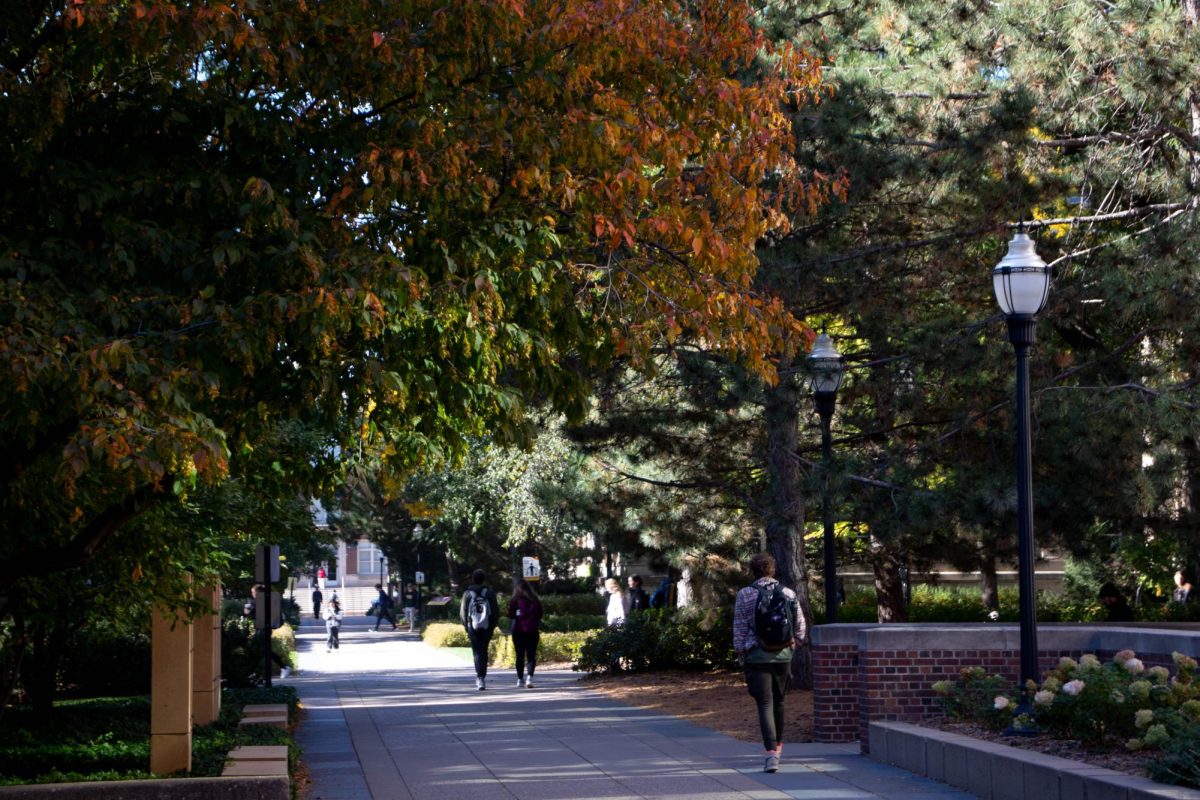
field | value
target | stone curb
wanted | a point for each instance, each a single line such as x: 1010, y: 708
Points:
x: 999, y: 772
x: 257, y: 788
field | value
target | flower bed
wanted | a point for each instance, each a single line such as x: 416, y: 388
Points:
x: 1120, y: 705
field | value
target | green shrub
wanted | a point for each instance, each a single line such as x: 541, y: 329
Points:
x: 445, y: 634
x: 562, y: 623
x: 567, y: 586
x: 108, y: 738
x: 100, y: 660
x: 965, y: 604
x: 691, y: 638
x: 562, y: 604
x: 557, y: 648
x: 242, y: 651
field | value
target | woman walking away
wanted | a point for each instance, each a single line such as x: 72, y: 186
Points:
x: 333, y: 623
x: 618, y: 602
x: 525, y: 609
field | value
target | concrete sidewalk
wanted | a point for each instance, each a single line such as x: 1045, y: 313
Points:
x: 389, y: 718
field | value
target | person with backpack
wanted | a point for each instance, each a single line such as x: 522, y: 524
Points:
x: 333, y: 624
x: 480, y: 612
x: 766, y: 627
x: 525, y: 610
x: 383, y: 608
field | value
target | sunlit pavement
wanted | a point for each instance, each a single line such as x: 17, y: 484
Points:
x: 390, y: 718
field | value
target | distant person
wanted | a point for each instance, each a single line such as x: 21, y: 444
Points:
x: 333, y: 624
x: 525, y: 610
x: 1183, y: 587
x: 662, y: 595
x: 766, y: 626
x: 321, y: 578
x: 618, y: 602
x: 409, y: 599
x: 317, y: 597
x: 383, y: 608
x: 1114, y: 601
x: 638, y: 599
x: 479, y: 613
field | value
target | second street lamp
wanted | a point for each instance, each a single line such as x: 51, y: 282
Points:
x: 825, y: 372
x: 1022, y: 283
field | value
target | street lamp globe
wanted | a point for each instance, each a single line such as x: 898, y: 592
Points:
x: 1021, y: 280
x: 825, y: 366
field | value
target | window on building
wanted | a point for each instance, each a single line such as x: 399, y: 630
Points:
x: 368, y: 559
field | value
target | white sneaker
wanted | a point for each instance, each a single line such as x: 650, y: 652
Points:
x: 529, y: 682
x: 284, y: 672
x: 479, y: 684
x: 520, y: 683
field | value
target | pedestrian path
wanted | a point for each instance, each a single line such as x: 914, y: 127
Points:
x: 390, y: 718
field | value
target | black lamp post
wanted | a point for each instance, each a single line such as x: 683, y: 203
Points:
x: 417, y: 545
x: 826, y: 370
x: 1022, y: 283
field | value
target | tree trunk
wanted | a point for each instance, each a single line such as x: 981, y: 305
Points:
x: 451, y: 573
x: 40, y: 668
x: 989, y: 587
x: 785, y: 511
x: 889, y: 588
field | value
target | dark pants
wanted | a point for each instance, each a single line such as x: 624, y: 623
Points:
x: 767, y: 684
x: 479, y: 648
x: 525, y: 646
x: 316, y: 610
x: 332, y: 641
x: 385, y: 613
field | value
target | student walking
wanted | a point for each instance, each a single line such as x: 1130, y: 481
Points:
x: 383, y: 609
x: 766, y: 626
x: 409, y: 598
x: 333, y: 624
x: 317, y: 597
x: 618, y: 603
x: 638, y: 599
x: 479, y: 613
x: 525, y: 610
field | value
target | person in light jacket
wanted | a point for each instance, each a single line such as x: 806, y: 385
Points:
x: 333, y: 624
x: 618, y: 602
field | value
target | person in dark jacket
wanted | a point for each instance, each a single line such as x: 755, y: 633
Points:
x: 638, y: 599
x: 383, y: 609
x: 317, y: 597
x: 525, y: 610
x: 1114, y: 601
x: 479, y: 613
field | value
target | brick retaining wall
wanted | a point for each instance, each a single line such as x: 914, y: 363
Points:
x: 867, y: 673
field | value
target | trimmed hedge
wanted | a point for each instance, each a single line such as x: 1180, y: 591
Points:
x: 570, y: 604
x: 556, y: 648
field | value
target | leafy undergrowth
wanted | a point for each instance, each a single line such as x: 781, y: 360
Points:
x: 108, y: 738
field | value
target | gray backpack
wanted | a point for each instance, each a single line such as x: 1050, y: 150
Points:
x: 478, y: 612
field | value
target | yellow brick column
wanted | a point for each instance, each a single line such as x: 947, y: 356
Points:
x: 170, y: 693
x: 206, y: 659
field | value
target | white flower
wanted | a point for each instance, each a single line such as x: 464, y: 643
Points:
x: 1088, y: 662
x: 1122, y: 656
x: 1067, y: 664
x: 1001, y: 702
x: 1134, y: 666
x: 1052, y: 684
x: 1073, y: 687
x: 1143, y: 718
x: 1044, y: 697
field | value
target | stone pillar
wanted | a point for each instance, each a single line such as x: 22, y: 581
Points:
x: 206, y: 659
x: 170, y: 692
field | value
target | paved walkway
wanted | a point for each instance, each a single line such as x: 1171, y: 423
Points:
x: 389, y: 718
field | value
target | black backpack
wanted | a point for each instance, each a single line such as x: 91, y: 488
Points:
x: 774, y: 618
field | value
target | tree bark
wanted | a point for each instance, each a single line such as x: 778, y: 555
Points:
x: 785, y: 511
x: 889, y: 589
